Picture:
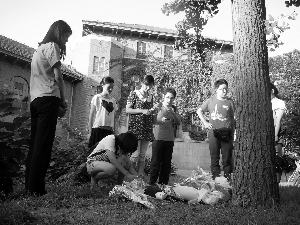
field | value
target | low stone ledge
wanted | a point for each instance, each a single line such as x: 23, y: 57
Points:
x: 188, y: 155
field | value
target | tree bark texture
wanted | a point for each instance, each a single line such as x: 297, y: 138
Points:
x: 254, y: 179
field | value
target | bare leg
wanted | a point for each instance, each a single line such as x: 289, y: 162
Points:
x: 279, y: 152
x: 101, y: 170
x: 141, y: 162
x: 97, y: 177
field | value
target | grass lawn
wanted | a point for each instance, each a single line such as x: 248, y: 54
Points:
x: 65, y: 204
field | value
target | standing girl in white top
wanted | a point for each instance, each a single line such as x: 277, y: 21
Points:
x: 278, y: 108
x: 47, y: 93
x: 102, y: 113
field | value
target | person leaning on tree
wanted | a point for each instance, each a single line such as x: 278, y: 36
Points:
x: 221, y: 127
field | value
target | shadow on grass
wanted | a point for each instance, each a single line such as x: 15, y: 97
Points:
x: 65, y: 204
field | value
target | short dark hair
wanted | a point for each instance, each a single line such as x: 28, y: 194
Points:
x: 170, y: 90
x: 55, y: 33
x: 128, y: 142
x: 273, y: 87
x: 220, y: 82
x: 148, y: 79
x: 107, y: 80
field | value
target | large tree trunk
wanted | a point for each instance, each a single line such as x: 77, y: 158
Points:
x: 254, y: 180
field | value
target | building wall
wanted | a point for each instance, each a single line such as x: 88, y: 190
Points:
x: 8, y: 71
x: 9, y: 74
x: 155, y: 47
x: 82, y: 94
x: 78, y: 55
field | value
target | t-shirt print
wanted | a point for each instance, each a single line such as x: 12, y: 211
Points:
x: 109, y: 106
x: 215, y: 115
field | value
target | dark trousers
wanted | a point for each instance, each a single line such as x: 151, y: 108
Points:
x: 97, y: 135
x: 44, y: 113
x: 226, y: 149
x: 161, y: 161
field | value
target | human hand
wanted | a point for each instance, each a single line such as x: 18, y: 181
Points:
x: 146, y: 112
x: 208, y: 125
x: 61, y: 111
x: 63, y: 104
x: 165, y: 119
x: 131, y: 176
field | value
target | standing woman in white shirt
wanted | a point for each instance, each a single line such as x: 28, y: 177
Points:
x: 278, y: 108
x: 47, y: 92
x: 102, y: 113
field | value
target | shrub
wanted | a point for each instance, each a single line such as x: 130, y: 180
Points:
x: 14, y: 141
x: 68, y: 160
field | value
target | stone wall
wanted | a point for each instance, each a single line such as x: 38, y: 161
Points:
x: 189, y: 155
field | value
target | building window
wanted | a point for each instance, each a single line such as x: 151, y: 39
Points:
x: 168, y: 51
x: 141, y: 50
x: 99, y: 65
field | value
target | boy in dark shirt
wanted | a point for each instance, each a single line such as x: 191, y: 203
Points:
x: 221, y: 116
x: 162, y: 147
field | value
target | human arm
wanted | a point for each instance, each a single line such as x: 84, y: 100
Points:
x: 233, y: 121
x: 132, y: 170
x: 91, y: 118
x: 203, y: 120
x: 277, y: 122
x: 175, y: 116
x: 113, y: 160
x: 130, y: 105
x: 130, y: 110
x: 60, y: 82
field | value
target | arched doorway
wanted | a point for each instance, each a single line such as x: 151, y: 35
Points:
x: 20, y: 87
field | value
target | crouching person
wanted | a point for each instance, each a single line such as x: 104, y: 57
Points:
x: 111, y: 156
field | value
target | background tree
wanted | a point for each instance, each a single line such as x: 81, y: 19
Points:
x: 196, y: 15
x: 292, y: 3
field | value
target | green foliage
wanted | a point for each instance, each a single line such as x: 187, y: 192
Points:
x: 191, y: 80
x: 197, y: 14
x: 284, y: 72
x: 274, y: 28
x: 292, y: 3
x: 14, y: 141
x: 68, y: 159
